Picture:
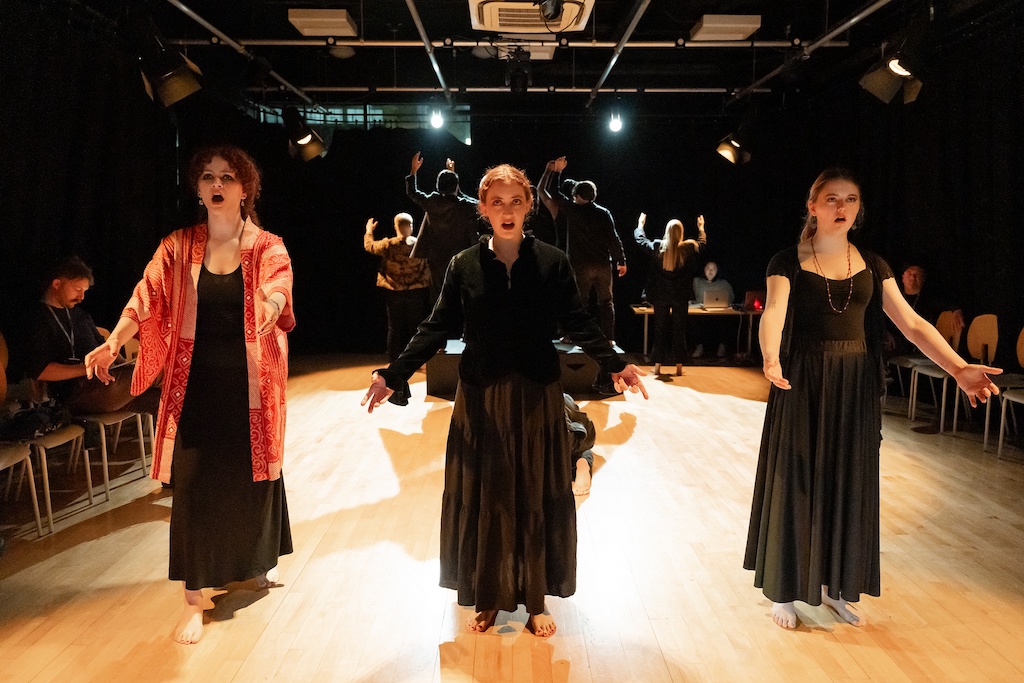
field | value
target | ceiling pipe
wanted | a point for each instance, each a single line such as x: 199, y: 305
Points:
x: 429, y: 47
x: 638, y: 11
x: 855, y: 19
x: 493, y: 89
x: 241, y: 50
x: 581, y: 44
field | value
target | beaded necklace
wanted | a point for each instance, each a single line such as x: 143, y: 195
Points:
x: 849, y: 273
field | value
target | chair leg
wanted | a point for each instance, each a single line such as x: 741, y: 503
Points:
x: 46, y: 486
x: 956, y: 406
x: 942, y: 407
x: 988, y: 413
x: 1002, y: 429
x: 103, y: 457
x: 911, y: 410
x: 142, y: 444
x: 35, y: 498
x: 88, y: 475
x: 117, y: 436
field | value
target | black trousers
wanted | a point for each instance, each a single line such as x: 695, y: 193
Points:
x: 406, y: 310
x: 596, y: 279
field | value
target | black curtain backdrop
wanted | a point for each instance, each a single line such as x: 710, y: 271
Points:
x: 91, y: 166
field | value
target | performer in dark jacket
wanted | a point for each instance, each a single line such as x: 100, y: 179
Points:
x: 508, y: 518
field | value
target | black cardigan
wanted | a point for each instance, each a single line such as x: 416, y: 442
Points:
x: 508, y: 322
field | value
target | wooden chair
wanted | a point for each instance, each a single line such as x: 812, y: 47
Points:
x: 1013, y: 393
x: 946, y: 327
x: 15, y: 454
x: 982, y: 339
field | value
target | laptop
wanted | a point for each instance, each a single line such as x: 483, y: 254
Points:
x: 714, y: 299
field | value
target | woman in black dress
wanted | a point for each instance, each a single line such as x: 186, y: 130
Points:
x: 814, y: 528
x: 211, y: 312
x: 673, y: 265
x: 508, y: 516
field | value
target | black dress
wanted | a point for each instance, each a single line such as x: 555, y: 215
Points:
x: 224, y: 526
x: 508, y: 515
x: 814, y: 517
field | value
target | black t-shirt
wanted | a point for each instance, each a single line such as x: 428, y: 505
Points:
x: 57, y: 335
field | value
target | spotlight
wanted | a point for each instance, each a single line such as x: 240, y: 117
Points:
x: 436, y: 120
x: 881, y: 82
x: 167, y: 75
x: 897, y: 68
x: 733, y: 150
x: 518, y: 74
x: 615, y: 122
x: 550, y: 9
x: 302, y: 140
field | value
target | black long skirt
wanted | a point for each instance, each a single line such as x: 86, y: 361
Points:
x: 224, y: 526
x: 814, y: 517
x: 508, y: 516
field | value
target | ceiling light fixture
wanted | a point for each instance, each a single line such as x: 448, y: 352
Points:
x: 436, y: 119
x: 518, y: 74
x: 733, y: 150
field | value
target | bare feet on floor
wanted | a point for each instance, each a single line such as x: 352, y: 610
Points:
x: 190, y: 628
x: 841, y: 607
x: 784, y: 614
x: 481, y: 621
x: 581, y: 484
x: 541, y: 625
x: 657, y: 368
x: 269, y: 579
x: 679, y: 369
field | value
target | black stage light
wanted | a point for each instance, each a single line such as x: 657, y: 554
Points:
x: 302, y: 140
x: 733, y: 150
x: 551, y: 9
x: 518, y: 74
x: 167, y: 75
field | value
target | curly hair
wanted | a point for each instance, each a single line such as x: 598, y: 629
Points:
x: 507, y: 174
x: 245, y: 168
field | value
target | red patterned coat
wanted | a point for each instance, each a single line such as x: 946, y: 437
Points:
x: 164, y: 306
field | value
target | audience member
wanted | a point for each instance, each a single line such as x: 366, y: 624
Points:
x: 925, y: 303
x: 590, y: 241
x: 712, y: 330
x: 508, y: 516
x: 451, y: 222
x: 212, y: 311
x: 405, y: 281
x: 670, y: 275
x: 60, y: 334
x: 814, y: 520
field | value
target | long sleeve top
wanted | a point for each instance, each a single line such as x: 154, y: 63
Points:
x: 702, y: 285
x: 590, y: 237
x: 398, y: 271
x: 669, y: 286
x: 164, y: 306
x: 453, y: 224
x: 509, y: 320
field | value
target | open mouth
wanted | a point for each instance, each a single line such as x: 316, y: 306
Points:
x: 217, y: 198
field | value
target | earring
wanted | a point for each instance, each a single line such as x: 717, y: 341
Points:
x: 200, y: 201
x: 243, y: 202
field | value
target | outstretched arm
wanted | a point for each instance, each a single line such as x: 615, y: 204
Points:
x: 99, y: 360
x: 544, y: 188
x: 973, y: 379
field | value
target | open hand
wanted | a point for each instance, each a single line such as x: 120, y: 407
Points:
x: 973, y: 379
x: 629, y: 379
x: 99, y: 360
x: 773, y: 371
x: 417, y: 161
x: 377, y: 394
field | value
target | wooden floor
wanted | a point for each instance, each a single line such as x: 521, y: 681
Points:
x: 661, y: 595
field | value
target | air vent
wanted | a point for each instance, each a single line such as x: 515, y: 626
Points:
x: 516, y: 16
x: 322, y: 22
x: 726, y: 27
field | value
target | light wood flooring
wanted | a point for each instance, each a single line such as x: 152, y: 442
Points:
x: 661, y: 592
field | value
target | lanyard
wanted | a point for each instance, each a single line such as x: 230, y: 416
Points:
x: 69, y: 333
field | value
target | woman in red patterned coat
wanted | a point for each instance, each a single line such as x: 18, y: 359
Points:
x: 211, y: 313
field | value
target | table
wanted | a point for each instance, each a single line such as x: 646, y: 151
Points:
x: 749, y: 314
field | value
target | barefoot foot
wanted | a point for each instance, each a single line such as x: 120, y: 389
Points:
x: 541, y: 625
x: 657, y: 368
x: 784, y: 614
x: 679, y: 369
x: 190, y: 627
x: 481, y: 621
x: 841, y: 607
x: 269, y: 579
x: 581, y: 484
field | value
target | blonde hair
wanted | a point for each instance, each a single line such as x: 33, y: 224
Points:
x: 672, y: 255
x: 828, y: 175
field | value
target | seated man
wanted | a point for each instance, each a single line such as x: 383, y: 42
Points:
x: 59, y: 335
x: 927, y: 304
x: 711, y: 332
